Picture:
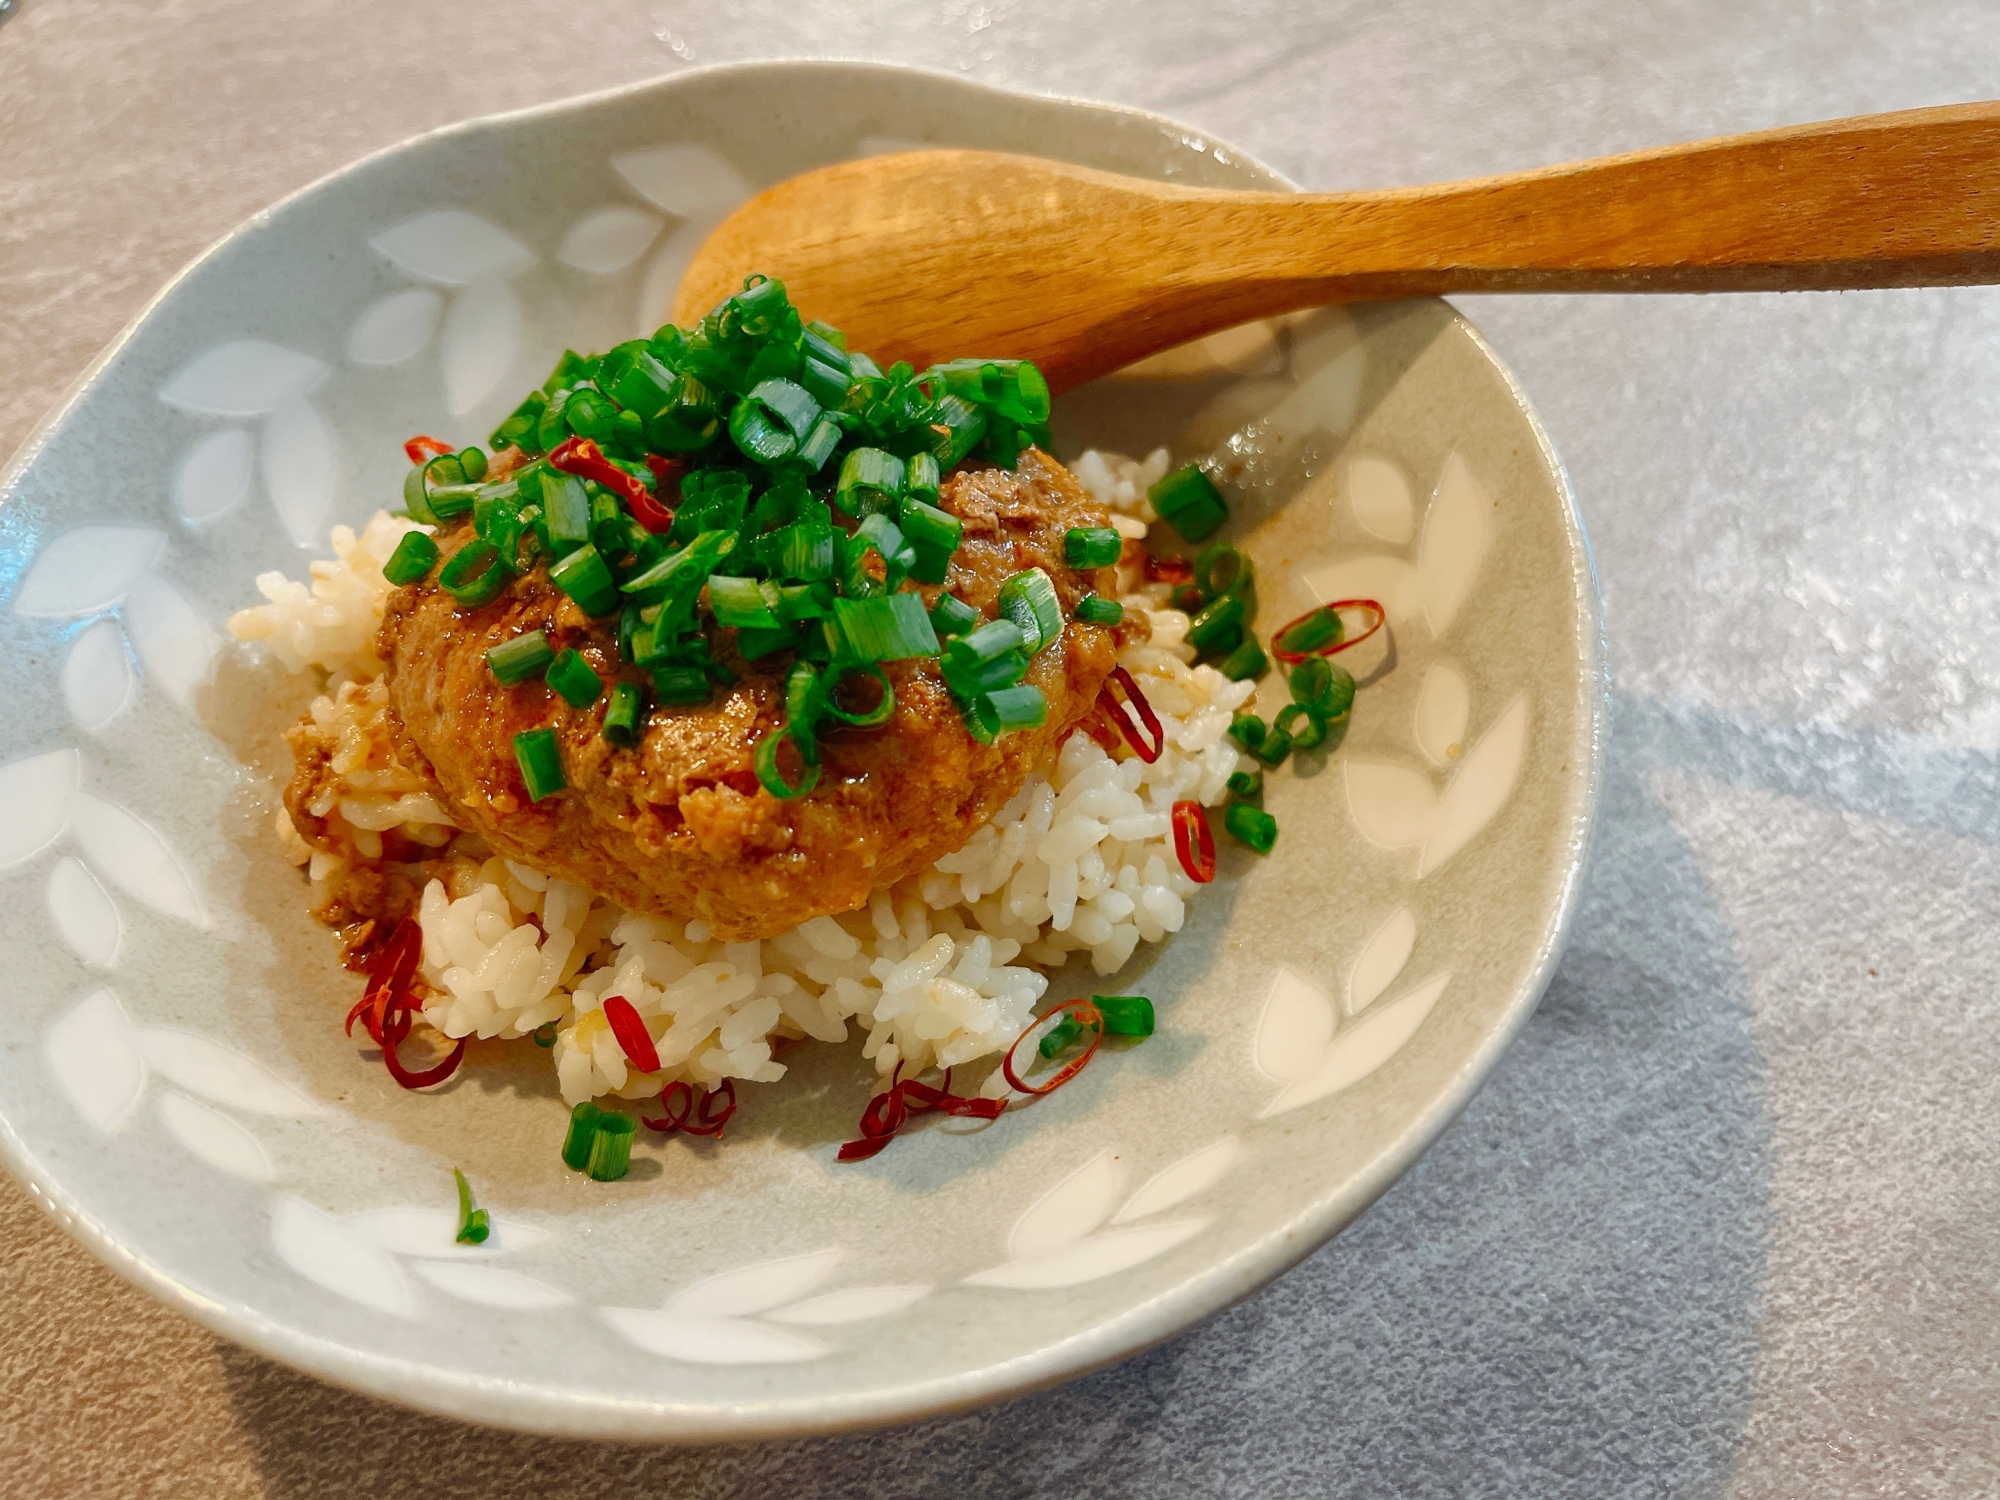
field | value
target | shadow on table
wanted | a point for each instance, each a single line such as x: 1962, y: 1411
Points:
x: 1561, y: 1298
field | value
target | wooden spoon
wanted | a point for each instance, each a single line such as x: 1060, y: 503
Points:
x: 935, y: 255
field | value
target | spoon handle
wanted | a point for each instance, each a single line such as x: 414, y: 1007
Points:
x: 1905, y: 199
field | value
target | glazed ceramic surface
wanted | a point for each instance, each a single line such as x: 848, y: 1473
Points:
x: 176, y: 1086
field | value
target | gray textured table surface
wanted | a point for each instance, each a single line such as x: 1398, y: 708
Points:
x: 1723, y: 1221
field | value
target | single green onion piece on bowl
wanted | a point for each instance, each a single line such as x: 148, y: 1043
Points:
x: 473, y: 1225
x: 1125, y: 1015
x: 582, y: 1131
x: 1287, y: 721
x: 475, y: 576
x: 1325, y: 687
x: 889, y: 627
x: 1210, y: 629
x: 678, y: 686
x: 1029, y: 600
x: 545, y: 1034
x: 1248, y: 785
x: 622, y: 718
x: 951, y: 616
x: 540, y: 759
x: 1251, y: 826
x: 1060, y: 1035
x: 1086, y: 547
x: 415, y: 555
x: 1247, y: 730
x: 1188, y: 501
x: 1004, y: 710
x: 521, y: 658
x: 571, y: 676
x: 1246, y: 661
x: 1274, y: 747
x: 1220, y: 569
x: 1321, y: 628
x: 611, y: 1147
x: 1095, y: 609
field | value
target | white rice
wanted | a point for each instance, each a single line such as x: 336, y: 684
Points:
x: 935, y: 972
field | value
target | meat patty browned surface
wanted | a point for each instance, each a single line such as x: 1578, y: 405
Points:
x: 678, y: 824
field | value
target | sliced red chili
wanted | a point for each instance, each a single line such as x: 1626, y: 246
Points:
x: 1116, y: 712
x: 1169, y: 569
x: 888, y: 1110
x: 1293, y: 658
x: 1194, y: 841
x: 394, y: 967
x: 631, y: 1032
x: 695, y: 1117
x: 583, y: 458
x: 1086, y: 1014
x: 422, y: 449
x: 395, y: 1027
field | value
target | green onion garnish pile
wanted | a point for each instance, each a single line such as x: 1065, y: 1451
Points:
x: 754, y: 472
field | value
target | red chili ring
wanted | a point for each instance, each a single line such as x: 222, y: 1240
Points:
x: 1116, y: 712
x: 672, y: 1122
x: 1169, y: 569
x: 703, y: 1122
x: 632, y: 1035
x: 396, y: 1027
x: 1087, y: 1014
x: 1293, y: 658
x: 583, y: 458
x: 1194, y: 841
x: 422, y: 449
x: 394, y: 967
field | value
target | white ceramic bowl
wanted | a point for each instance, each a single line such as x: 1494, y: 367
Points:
x: 178, y: 1092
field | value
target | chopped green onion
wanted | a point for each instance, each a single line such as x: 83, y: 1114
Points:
x: 1029, y: 600
x: 1188, y: 501
x: 1210, y: 630
x: 819, y: 444
x: 540, y: 759
x: 571, y: 676
x: 680, y: 686
x: 1125, y: 1015
x: 473, y: 1225
x: 1246, y: 784
x: 1220, y: 569
x: 1325, y: 687
x: 773, y: 779
x: 680, y: 575
x: 521, y: 658
x: 1246, y: 661
x: 475, y: 576
x: 585, y: 577
x: 1276, y: 745
x: 1011, y: 708
x: 1289, y: 716
x: 870, y: 481
x: 645, y: 386
x: 800, y: 601
x: 1251, y: 825
x: 1086, y: 547
x: 565, y: 512
x: 1248, y: 731
x: 415, y: 555
x: 755, y: 645
x: 883, y: 534
x: 740, y: 603
x: 951, y: 616
x: 963, y: 426
x: 761, y: 433
x: 1059, y: 1036
x: 921, y: 478
x: 971, y: 679
x: 1095, y: 609
x: 687, y: 423
x: 582, y: 1131
x: 792, y: 403
x: 1322, y: 627
x: 869, y: 718
x: 545, y: 1034
x: 611, y: 1146
x: 989, y: 642
x: 931, y: 527
x: 825, y: 383
x: 889, y: 627
x: 927, y: 564
x: 621, y: 719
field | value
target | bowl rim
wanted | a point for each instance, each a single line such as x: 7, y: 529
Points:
x: 553, y: 1411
